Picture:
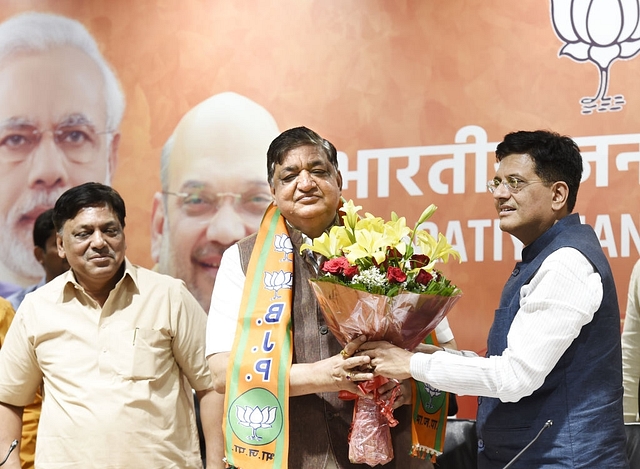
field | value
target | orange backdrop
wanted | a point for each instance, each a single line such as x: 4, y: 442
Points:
x: 378, y: 75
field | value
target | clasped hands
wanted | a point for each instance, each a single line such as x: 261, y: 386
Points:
x: 360, y: 360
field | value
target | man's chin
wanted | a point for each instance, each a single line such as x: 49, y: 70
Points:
x: 19, y: 259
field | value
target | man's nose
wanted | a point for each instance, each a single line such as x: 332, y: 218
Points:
x: 501, y: 192
x: 227, y: 225
x: 306, y: 181
x: 97, y: 239
x: 47, y: 164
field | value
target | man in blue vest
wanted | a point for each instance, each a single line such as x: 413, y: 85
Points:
x: 553, y: 356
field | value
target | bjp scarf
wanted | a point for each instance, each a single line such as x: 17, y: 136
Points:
x: 255, y: 422
x: 429, y: 416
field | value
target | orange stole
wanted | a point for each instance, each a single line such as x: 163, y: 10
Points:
x: 255, y: 421
x: 429, y: 416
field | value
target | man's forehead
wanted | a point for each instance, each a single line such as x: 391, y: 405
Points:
x: 52, y: 85
x: 97, y: 214
x: 214, y: 165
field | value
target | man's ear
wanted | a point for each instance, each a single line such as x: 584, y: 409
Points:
x: 38, y: 253
x: 157, y: 226
x: 60, y: 246
x: 560, y: 195
x: 272, y: 189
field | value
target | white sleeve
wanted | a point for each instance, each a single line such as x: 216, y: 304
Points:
x: 225, y: 303
x: 443, y: 331
x: 631, y: 348
x: 562, y: 297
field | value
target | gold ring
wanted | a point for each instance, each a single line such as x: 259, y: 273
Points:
x: 344, y: 353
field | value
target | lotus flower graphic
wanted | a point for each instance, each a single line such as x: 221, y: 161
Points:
x: 277, y: 281
x: 600, y: 31
x: 282, y: 243
x: 432, y: 392
x: 255, y: 418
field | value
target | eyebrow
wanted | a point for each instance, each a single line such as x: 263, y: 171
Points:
x: 198, y: 185
x: 313, y: 164
x: 77, y: 118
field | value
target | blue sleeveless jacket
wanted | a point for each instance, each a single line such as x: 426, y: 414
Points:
x: 583, y: 393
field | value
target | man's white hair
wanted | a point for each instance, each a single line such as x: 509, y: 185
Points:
x: 33, y: 31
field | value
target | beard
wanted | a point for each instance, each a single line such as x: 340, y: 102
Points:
x: 16, y: 240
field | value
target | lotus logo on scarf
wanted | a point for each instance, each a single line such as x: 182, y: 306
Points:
x: 282, y: 243
x: 600, y: 31
x: 277, y: 281
x: 256, y: 418
x: 432, y: 398
x: 257, y: 410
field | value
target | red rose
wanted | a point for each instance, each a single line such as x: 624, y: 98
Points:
x: 396, y: 275
x: 423, y: 277
x: 350, y: 271
x: 336, y: 266
x: 419, y: 260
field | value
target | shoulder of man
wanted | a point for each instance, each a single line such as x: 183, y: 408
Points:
x: 6, y: 316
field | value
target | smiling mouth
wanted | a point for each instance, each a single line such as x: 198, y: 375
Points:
x: 209, y: 265
x: 101, y: 257
x: 312, y: 198
x: 506, y: 209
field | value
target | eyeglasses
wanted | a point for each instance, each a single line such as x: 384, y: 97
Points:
x: 200, y: 202
x: 77, y: 142
x: 513, y: 184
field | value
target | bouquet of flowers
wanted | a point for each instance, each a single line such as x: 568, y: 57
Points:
x: 379, y: 279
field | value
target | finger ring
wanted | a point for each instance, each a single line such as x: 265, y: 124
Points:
x: 348, y: 377
x: 344, y: 353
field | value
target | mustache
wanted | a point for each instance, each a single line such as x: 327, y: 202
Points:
x: 36, y: 200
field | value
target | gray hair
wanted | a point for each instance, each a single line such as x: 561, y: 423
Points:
x: 33, y: 31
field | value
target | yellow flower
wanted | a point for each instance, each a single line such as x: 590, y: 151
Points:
x: 436, y: 250
x: 350, y: 218
x: 331, y: 244
x: 430, y: 210
x: 369, y: 244
x: 397, y: 232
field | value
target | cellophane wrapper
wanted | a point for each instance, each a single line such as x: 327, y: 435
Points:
x: 370, y: 441
x: 403, y: 320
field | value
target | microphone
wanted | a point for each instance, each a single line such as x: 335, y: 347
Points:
x: 547, y: 424
x: 14, y: 443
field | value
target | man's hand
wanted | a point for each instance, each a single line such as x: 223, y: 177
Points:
x: 10, y: 430
x: 342, y: 372
x: 388, y: 360
x: 404, y: 393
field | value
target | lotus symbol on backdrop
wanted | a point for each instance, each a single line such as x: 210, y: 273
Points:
x: 600, y: 31
x: 255, y: 418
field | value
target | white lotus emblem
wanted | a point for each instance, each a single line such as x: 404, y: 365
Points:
x: 600, y: 31
x: 255, y: 418
x: 277, y: 281
x: 282, y: 243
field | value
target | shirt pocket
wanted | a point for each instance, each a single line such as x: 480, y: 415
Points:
x: 141, y: 354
